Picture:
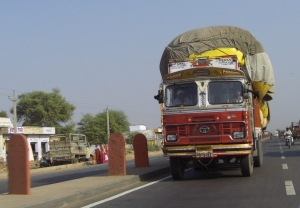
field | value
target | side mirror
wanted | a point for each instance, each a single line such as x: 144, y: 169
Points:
x: 255, y: 93
x: 159, y: 96
x: 246, y: 96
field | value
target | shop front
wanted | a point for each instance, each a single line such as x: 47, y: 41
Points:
x: 37, y: 138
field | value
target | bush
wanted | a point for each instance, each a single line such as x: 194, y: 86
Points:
x: 152, y: 148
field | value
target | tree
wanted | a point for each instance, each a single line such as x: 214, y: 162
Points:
x: 3, y: 114
x: 43, y: 109
x: 130, y: 136
x: 95, y: 127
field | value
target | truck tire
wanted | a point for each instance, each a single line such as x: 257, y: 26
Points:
x: 258, y: 160
x: 177, y: 168
x: 247, y: 165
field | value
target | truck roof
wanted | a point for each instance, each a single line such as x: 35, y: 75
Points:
x: 195, y: 43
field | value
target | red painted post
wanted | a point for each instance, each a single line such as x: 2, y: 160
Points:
x: 116, y: 155
x: 18, y: 165
x: 140, y: 148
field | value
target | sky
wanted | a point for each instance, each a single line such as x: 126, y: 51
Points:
x: 106, y: 54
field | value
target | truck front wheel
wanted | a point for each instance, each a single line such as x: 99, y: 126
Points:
x: 177, y: 168
x: 258, y: 160
x: 247, y: 165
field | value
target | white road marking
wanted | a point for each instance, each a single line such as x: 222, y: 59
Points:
x: 289, y: 188
x: 281, y: 152
x: 283, y: 157
x: 284, y: 166
x: 124, y: 193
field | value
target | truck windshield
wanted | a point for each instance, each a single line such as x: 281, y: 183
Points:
x: 181, y: 95
x: 225, y: 92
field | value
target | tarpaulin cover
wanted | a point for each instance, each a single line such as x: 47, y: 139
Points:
x: 257, y: 63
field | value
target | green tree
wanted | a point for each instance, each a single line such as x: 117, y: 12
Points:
x: 43, y: 109
x: 130, y: 136
x: 95, y: 127
x: 3, y: 114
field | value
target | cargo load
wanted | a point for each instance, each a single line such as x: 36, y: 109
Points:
x: 227, y: 40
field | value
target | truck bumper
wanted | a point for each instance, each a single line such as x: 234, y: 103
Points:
x: 207, y: 151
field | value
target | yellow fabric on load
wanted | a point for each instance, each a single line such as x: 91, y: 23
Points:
x: 264, y: 123
x: 263, y: 113
x: 263, y: 120
x: 264, y: 109
x: 261, y: 87
x: 221, y: 52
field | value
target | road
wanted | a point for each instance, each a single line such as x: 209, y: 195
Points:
x: 57, y: 176
x: 275, y: 184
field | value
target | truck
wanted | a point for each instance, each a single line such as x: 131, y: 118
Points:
x: 227, y: 80
x: 296, y: 130
x: 69, y: 148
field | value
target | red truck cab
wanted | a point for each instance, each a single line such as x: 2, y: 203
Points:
x: 210, y: 117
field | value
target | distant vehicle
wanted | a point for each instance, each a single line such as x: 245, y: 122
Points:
x: 289, y: 141
x: 70, y: 148
x: 276, y: 133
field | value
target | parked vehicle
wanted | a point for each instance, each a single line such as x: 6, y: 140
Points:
x: 43, y: 162
x: 71, y: 148
x: 214, y: 99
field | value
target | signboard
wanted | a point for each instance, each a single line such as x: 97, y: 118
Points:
x: 48, y: 130
x: 228, y: 62
x: 39, y: 130
x: 179, y: 66
x: 20, y: 130
x: 29, y: 130
x: 5, y: 122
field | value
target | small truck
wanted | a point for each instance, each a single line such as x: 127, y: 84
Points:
x: 70, y: 148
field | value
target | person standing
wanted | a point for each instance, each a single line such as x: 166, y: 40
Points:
x: 48, y: 158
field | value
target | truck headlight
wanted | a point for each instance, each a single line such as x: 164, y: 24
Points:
x: 171, y: 138
x: 238, y: 135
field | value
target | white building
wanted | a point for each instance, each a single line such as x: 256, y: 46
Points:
x: 137, y: 128
x: 153, y: 136
x: 4, y: 123
x: 37, y: 138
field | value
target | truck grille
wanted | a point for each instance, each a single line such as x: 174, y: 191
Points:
x: 216, y: 130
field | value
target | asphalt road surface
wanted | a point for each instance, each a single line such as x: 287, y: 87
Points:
x: 46, y: 178
x: 275, y: 184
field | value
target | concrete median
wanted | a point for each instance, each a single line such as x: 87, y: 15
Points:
x: 74, y: 191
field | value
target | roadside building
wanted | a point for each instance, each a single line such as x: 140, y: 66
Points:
x: 153, y: 136
x: 296, y: 130
x: 139, y: 127
x: 4, y: 123
x: 158, y: 136
x: 37, y: 138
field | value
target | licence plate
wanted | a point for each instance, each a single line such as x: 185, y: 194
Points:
x: 204, y: 151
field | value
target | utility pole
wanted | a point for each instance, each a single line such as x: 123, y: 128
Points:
x: 107, y: 116
x: 14, y: 111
